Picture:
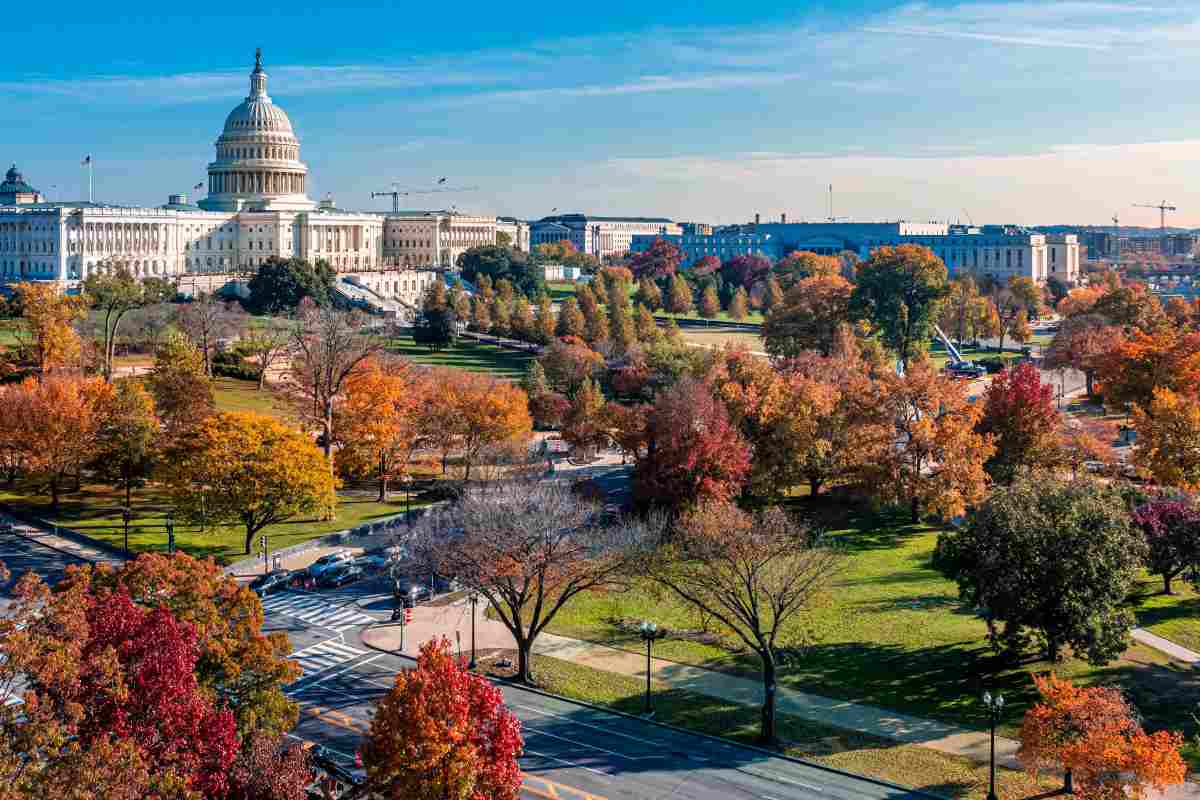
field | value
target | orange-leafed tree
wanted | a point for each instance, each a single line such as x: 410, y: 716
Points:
x: 584, y: 424
x: 1169, y: 439
x: 1082, y: 343
x: 1166, y: 358
x: 1093, y: 735
x: 48, y: 316
x: 441, y: 732
x: 802, y: 264
x: 936, y: 463
x: 1079, y: 301
x: 809, y: 317
x: 251, y: 470
x: 1081, y: 440
x: 489, y: 412
x: 377, y: 421
x: 61, y: 418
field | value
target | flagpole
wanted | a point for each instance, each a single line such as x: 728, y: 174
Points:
x: 90, y: 198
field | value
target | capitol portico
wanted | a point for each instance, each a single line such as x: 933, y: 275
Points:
x: 256, y: 207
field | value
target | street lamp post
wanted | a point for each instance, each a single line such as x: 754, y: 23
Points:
x: 125, y: 517
x: 171, y: 532
x: 994, y: 705
x: 474, y: 600
x: 649, y: 633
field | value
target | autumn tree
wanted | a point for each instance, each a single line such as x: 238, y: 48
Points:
x: 183, y: 395
x: 596, y: 327
x: 739, y: 305
x: 115, y: 293
x: 1093, y: 735
x: 900, y: 291
x: 269, y: 768
x: 567, y: 365
x: 488, y: 412
x: 772, y: 293
x: 755, y: 575
x: 250, y: 469
x: 481, y: 314
x: 1052, y: 563
x: 570, y: 319
x: 937, y: 462
x: 1169, y: 439
x: 48, y: 316
x: 1020, y: 418
x: 710, y: 304
x: 622, y: 330
x: 441, y: 732
x: 329, y: 346
x: 207, y: 319
x: 1081, y: 440
x: 679, y: 299
x: 268, y: 346
x: 126, y: 434
x: 377, y: 421
x: 648, y: 294
x: 238, y: 662
x: 545, y: 320
x: 583, y: 425
x: 966, y: 313
x: 1133, y: 370
x: 1016, y: 301
x: 1171, y: 527
x: 802, y: 264
x: 644, y: 324
x: 691, y: 451
x: 1082, y: 343
x: 61, y: 418
x: 808, y: 318
x: 529, y: 548
x: 660, y: 260
x: 746, y: 270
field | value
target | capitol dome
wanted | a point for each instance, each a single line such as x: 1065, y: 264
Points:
x: 258, y: 156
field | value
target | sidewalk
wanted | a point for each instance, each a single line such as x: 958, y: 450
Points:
x: 454, y: 622
x: 68, y: 546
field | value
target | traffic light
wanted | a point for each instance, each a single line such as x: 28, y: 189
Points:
x: 408, y: 616
x: 262, y: 542
x: 358, y: 758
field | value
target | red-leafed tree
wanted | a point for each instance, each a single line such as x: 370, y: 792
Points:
x: 442, y: 732
x: 692, y: 451
x: 1172, y: 530
x: 745, y: 270
x: 709, y: 265
x: 270, y: 769
x: 1093, y: 735
x: 660, y: 260
x: 1020, y: 416
x: 1081, y: 343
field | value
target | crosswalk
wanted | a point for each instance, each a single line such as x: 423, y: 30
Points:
x: 316, y: 610
x: 323, y: 656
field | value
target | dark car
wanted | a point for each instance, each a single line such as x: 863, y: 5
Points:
x: 275, y: 581
x: 340, y: 576
x: 965, y: 369
x: 417, y: 587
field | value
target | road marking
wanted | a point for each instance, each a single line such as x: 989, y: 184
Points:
x: 339, y: 718
x: 555, y: 791
x: 564, y: 761
x: 316, y: 609
x: 589, y: 746
x: 778, y: 778
x: 589, y: 725
x: 324, y: 678
x: 323, y: 656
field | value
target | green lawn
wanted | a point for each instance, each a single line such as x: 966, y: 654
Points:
x: 862, y: 754
x: 96, y: 511
x: 466, y: 354
x: 232, y: 394
x: 892, y: 632
x: 8, y: 332
x: 719, y: 337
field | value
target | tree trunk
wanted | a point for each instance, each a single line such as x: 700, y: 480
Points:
x: 249, y: 538
x: 916, y: 510
x: 128, y: 488
x: 524, y: 673
x: 1053, y: 650
x: 1167, y: 576
x: 815, y: 486
x: 54, y: 494
x: 262, y: 378
x: 1003, y: 333
x: 1090, y: 377
x: 767, y: 735
x: 383, y: 481
x: 327, y: 424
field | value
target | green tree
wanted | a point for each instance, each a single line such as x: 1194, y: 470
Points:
x: 114, y: 294
x: 523, y: 325
x: 436, y: 328
x: 900, y: 291
x: 280, y: 284
x: 501, y: 311
x: 495, y: 262
x: 183, y: 394
x: 1051, y: 562
x: 545, y: 322
x: 125, y: 439
x: 1017, y: 301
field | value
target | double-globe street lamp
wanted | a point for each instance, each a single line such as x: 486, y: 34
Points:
x: 994, y: 705
x: 171, y: 532
x: 474, y: 598
x: 126, y: 515
x: 649, y: 632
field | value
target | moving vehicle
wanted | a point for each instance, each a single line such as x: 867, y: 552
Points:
x: 965, y: 369
x: 416, y: 587
x: 340, y: 575
x: 330, y: 561
x: 275, y: 581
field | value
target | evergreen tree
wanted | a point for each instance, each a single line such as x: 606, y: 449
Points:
x: 680, y: 300
x: 739, y: 305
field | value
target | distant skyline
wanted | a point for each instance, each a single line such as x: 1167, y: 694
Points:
x: 1026, y: 112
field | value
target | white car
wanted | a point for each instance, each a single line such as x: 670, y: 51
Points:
x: 328, y: 562
x: 379, y: 560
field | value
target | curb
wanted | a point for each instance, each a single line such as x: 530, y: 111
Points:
x: 64, y: 533
x: 677, y: 729
x: 64, y: 551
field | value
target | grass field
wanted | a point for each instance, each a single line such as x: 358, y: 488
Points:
x: 892, y: 632
x: 561, y: 290
x: 96, y: 511
x: 719, y: 337
x: 862, y: 754
x: 232, y: 394
x: 466, y: 354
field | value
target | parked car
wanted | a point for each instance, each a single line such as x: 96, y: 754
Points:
x: 328, y: 562
x: 340, y: 576
x: 275, y: 581
x: 416, y: 587
x: 379, y: 560
x: 965, y: 369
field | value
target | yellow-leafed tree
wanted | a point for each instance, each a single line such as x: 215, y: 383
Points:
x: 1168, y: 438
x: 253, y: 470
x: 48, y: 315
x: 378, y: 421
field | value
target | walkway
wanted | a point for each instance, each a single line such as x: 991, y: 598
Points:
x: 454, y: 622
x: 64, y: 544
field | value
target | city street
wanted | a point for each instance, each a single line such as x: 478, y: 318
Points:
x: 572, y: 752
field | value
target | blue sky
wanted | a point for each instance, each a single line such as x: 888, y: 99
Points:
x: 1027, y: 112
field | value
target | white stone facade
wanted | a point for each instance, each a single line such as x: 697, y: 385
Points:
x: 599, y: 236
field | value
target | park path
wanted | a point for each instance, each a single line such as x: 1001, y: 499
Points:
x: 454, y: 622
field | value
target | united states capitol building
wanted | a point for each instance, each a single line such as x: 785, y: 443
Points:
x: 256, y: 207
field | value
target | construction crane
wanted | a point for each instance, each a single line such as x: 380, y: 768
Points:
x: 397, y: 193
x: 1163, y: 208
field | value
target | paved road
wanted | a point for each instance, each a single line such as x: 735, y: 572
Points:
x: 571, y: 752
